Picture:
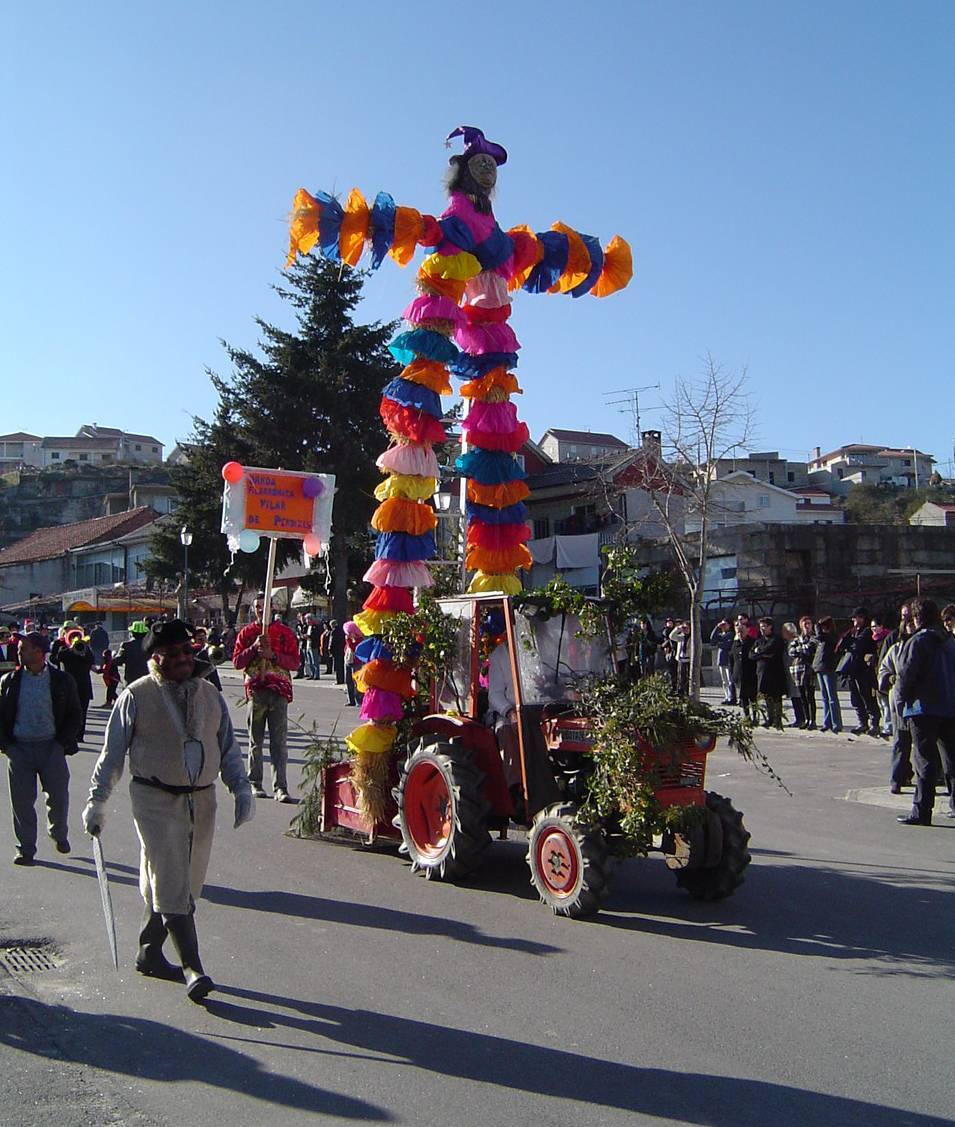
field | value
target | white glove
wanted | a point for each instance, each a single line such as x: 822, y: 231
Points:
x: 94, y: 817
x: 244, y: 808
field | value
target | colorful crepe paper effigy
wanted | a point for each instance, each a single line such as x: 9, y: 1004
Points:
x: 458, y: 324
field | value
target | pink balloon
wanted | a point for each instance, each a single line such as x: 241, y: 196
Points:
x: 312, y: 487
x: 312, y: 544
x: 232, y: 472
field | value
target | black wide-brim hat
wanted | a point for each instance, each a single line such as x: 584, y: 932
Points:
x: 172, y: 633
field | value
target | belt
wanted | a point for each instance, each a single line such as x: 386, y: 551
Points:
x: 168, y: 786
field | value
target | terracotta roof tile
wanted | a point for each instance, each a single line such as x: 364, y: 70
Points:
x: 48, y: 543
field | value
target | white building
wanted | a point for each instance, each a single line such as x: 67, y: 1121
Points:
x: 862, y: 464
x: 739, y: 498
x: 931, y: 513
x: 96, y: 445
x: 580, y: 445
x: 20, y: 449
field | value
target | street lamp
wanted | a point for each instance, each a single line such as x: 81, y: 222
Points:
x: 185, y: 539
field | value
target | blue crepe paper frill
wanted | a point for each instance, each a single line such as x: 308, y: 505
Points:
x: 596, y: 265
x: 510, y: 514
x: 489, y: 467
x: 329, y: 224
x: 496, y: 248
x: 456, y: 231
x: 408, y: 347
x: 382, y: 224
x: 545, y: 274
x: 404, y: 547
x: 468, y: 367
x: 410, y: 394
x: 371, y: 649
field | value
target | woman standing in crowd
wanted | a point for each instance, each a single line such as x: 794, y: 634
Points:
x: 802, y: 650
x: 901, y: 772
x: 646, y: 647
x: 767, y: 653
x: 744, y: 670
x: 824, y: 666
x: 722, y: 638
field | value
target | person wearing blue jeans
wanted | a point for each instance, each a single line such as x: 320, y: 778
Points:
x: 824, y: 666
x: 40, y: 721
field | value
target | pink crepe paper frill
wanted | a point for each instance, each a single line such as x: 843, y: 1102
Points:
x: 431, y: 307
x: 413, y: 458
x: 478, y: 223
x: 396, y: 573
x: 499, y: 417
x: 478, y: 339
x: 379, y: 704
x: 493, y: 440
x: 488, y: 290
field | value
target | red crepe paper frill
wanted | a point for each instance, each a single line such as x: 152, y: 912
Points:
x: 407, y: 422
x: 390, y: 598
x: 497, y: 537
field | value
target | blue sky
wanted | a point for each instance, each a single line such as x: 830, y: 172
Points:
x: 784, y: 174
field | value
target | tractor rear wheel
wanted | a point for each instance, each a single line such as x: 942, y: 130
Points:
x: 442, y: 814
x: 722, y: 876
x: 568, y: 861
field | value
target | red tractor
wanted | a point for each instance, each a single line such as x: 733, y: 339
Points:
x: 461, y: 780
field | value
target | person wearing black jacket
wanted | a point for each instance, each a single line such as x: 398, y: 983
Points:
x: 859, y: 649
x: 131, y: 657
x: 744, y: 670
x: 76, y: 659
x: 40, y: 719
x: 769, y: 654
x: 824, y: 662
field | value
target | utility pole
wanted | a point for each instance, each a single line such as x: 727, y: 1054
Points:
x: 632, y: 399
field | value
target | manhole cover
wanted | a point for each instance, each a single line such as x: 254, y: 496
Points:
x: 25, y: 958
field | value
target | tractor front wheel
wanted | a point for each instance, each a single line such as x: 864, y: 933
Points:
x: 442, y: 814
x: 568, y: 861
x: 725, y: 839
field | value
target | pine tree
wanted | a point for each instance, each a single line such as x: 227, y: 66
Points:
x: 306, y: 400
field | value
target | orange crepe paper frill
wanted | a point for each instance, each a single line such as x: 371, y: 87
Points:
x: 507, y: 559
x: 498, y: 497
x: 578, y: 261
x: 303, y: 227
x: 407, y: 422
x: 383, y: 675
x: 497, y: 380
x: 442, y: 287
x: 397, y: 599
x: 430, y: 374
x: 527, y: 253
x: 400, y: 515
x: 407, y: 232
x: 354, y: 228
x: 617, y: 270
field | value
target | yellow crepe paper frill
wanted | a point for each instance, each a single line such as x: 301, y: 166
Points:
x: 372, y: 739
x: 372, y: 621
x: 303, y: 227
x: 617, y: 270
x: 485, y: 584
x: 354, y: 228
x: 398, y: 514
x: 459, y: 267
x: 406, y: 485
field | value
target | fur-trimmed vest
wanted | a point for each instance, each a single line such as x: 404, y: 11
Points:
x: 156, y: 749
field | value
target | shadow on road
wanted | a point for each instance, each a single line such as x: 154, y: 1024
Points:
x: 150, y: 1050
x: 367, y: 915
x: 898, y: 922
x: 694, y: 1098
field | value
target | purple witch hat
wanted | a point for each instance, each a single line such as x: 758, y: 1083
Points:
x: 475, y: 142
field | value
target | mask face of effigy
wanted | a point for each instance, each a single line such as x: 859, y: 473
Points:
x: 483, y: 170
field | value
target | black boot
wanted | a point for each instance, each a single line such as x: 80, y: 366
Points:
x: 150, y: 960
x: 182, y: 931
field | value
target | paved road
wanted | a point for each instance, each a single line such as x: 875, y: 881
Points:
x: 352, y: 990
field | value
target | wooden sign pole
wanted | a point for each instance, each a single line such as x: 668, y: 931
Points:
x: 269, y: 576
